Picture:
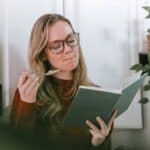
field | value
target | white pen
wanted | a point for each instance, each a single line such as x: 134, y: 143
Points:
x: 51, y: 72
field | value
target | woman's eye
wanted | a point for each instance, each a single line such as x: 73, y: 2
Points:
x: 56, y: 45
x: 71, y: 41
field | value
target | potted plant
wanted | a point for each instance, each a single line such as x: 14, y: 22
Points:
x: 145, y: 68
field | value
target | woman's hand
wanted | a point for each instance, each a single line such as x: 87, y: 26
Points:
x: 28, y: 85
x: 99, y: 134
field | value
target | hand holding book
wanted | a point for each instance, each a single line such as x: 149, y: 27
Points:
x: 90, y: 102
x: 99, y: 134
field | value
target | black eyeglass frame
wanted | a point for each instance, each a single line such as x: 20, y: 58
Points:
x: 62, y: 42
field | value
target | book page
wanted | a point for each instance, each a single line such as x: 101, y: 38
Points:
x: 118, y: 91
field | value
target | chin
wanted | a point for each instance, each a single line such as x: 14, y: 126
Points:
x: 70, y: 67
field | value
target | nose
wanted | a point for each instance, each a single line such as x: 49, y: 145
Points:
x: 67, y: 48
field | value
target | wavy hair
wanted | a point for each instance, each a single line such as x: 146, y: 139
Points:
x: 46, y: 95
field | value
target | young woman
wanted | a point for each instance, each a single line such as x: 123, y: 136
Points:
x: 45, y: 93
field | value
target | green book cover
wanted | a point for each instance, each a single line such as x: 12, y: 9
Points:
x: 90, y: 102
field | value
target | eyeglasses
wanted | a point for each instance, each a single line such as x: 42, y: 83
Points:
x: 71, y: 40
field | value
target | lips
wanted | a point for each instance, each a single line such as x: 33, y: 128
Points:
x: 71, y: 62
x: 69, y: 59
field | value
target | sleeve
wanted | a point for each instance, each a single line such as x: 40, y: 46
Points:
x: 23, y: 114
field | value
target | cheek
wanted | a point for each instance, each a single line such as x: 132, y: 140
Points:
x: 53, y: 60
x: 77, y: 55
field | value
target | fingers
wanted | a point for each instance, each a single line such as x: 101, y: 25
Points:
x: 101, y: 123
x: 91, y: 125
x: 91, y: 131
x: 31, y: 82
x: 26, y: 79
x: 103, y: 130
x: 103, y: 127
x: 22, y: 79
x: 32, y: 85
x: 112, y: 119
x: 28, y: 82
x: 98, y: 134
x: 28, y: 85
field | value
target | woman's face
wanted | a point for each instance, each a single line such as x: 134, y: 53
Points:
x: 58, y: 52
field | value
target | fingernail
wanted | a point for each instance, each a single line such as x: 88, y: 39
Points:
x: 86, y: 121
x: 97, y: 117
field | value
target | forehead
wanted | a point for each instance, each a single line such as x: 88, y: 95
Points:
x: 59, y: 31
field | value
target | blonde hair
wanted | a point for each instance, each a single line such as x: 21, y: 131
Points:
x: 38, y: 64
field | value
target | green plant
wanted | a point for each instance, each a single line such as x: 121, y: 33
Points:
x: 147, y: 8
x: 145, y: 69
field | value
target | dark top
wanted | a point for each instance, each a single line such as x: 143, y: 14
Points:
x: 25, y: 117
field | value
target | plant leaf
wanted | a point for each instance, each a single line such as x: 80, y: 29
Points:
x: 146, y: 68
x: 137, y: 67
x: 144, y: 100
x: 146, y: 87
x: 148, y: 16
x: 147, y: 8
x: 148, y: 30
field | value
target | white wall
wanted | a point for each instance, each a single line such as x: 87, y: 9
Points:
x: 21, y: 16
x: 109, y: 43
x: 136, y: 139
x: 1, y: 37
x: 18, y: 18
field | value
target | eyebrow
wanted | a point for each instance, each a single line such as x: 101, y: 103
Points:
x: 61, y: 40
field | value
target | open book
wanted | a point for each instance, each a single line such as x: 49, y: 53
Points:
x: 90, y: 102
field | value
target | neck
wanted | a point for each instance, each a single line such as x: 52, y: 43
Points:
x: 64, y: 75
